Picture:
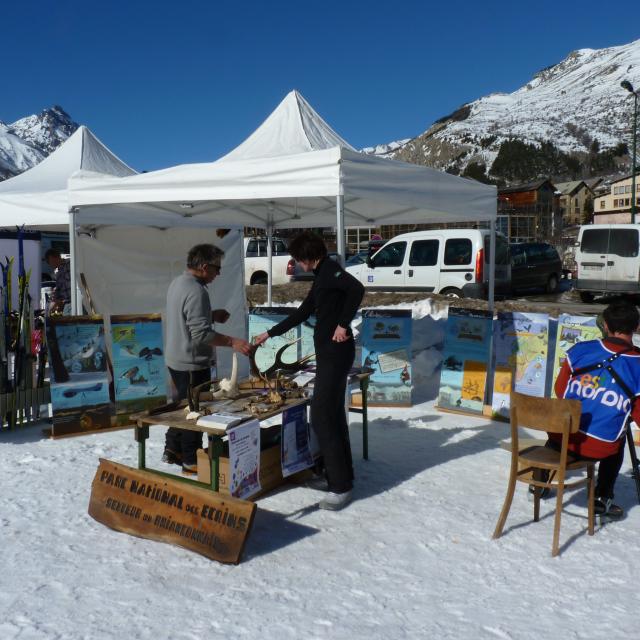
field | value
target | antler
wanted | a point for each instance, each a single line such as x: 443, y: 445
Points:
x: 278, y: 363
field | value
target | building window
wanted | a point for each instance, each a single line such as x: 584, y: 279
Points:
x: 602, y: 203
x: 627, y: 188
x: 627, y: 202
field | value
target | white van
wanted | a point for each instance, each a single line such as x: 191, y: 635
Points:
x: 607, y: 260
x: 454, y: 262
x: 256, y: 263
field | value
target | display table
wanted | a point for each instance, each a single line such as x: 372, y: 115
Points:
x: 173, y: 415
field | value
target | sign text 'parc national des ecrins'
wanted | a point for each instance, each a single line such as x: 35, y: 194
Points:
x: 142, y: 504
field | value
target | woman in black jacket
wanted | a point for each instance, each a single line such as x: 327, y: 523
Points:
x: 334, y: 299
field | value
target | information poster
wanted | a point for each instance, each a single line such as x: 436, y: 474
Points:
x: 138, y: 363
x: 244, y: 459
x: 465, y: 360
x: 521, y: 344
x: 80, y: 374
x: 386, y: 352
x: 295, y: 446
x: 263, y: 318
x: 571, y: 330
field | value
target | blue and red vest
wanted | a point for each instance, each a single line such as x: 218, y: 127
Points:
x: 605, y: 405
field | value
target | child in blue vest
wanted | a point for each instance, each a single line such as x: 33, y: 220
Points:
x: 604, y: 394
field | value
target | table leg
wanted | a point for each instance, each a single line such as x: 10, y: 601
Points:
x: 215, y: 451
x: 364, y: 386
x: 141, y: 433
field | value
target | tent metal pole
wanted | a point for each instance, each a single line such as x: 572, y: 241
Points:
x: 73, y: 259
x: 492, y: 264
x: 269, y: 263
x: 340, y: 229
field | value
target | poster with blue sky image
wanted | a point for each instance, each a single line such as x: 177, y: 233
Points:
x: 139, y: 371
x: 386, y: 352
x: 465, y: 360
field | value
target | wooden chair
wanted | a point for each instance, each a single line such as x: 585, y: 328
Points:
x: 529, y: 463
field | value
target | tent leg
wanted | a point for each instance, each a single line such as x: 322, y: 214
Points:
x: 269, y: 264
x: 492, y: 264
x: 340, y: 229
x: 73, y: 258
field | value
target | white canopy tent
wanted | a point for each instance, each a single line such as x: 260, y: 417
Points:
x: 294, y: 171
x: 37, y: 198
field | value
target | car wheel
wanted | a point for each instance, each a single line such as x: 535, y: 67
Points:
x: 586, y: 296
x: 259, y: 278
x: 552, y: 284
x: 452, y: 292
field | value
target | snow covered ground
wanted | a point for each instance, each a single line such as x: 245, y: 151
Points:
x: 412, y: 557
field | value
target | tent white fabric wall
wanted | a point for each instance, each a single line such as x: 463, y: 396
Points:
x: 38, y: 197
x: 129, y: 270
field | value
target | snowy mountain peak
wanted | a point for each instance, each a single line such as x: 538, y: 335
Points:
x: 29, y: 140
x: 570, y: 104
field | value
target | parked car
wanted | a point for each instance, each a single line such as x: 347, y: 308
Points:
x: 357, y: 258
x: 296, y: 274
x: 607, y: 260
x: 256, y: 264
x: 454, y: 262
x: 535, y: 265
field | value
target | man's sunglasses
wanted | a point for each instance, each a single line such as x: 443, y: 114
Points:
x: 213, y: 265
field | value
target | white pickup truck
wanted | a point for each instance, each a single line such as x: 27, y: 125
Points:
x: 256, y: 264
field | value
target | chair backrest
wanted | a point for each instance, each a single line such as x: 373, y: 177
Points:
x: 554, y: 415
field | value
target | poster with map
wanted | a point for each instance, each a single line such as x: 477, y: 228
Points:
x: 465, y: 360
x: 386, y: 351
x: 571, y: 330
x: 521, y: 345
x: 139, y: 369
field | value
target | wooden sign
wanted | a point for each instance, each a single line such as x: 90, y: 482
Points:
x: 144, y: 504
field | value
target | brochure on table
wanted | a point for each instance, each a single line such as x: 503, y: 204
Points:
x: 521, y: 343
x: 386, y: 351
x: 80, y: 374
x: 465, y: 360
x: 244, y: 459
x: 138, y: 363
x: 294, y: 443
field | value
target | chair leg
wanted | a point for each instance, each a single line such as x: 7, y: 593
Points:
x: 537, y: 493
x: 555, y: 549
x: 507, y: 502
x: 592, y: 492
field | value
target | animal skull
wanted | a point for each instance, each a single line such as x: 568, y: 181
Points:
x: 228, y: 387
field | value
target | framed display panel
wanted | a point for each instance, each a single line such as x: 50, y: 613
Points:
x: 521, y: 345
x: 465, y: 360
x: 80, y: 375
x: 386, y: 352
x: 571, y: 330
x: 139, y: 371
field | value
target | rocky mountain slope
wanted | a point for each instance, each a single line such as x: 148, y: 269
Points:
x: 577, y: 105
x: 29, y: 140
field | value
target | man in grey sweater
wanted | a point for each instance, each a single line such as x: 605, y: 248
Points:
x: 190, y: 342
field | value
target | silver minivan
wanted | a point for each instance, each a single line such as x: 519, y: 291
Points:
x: 454, y: 262
x: 607, y: 260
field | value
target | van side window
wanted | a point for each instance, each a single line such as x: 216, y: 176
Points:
x: 392, y: 255
x: 279, y: 248
x: 623, y: 242
x: 457, y: 251
x: 534, y: 253
x: 252, y: 248
x: 424, y: 253
x: 595, y: 241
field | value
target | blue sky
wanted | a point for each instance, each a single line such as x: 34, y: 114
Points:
x: 164, y: 83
